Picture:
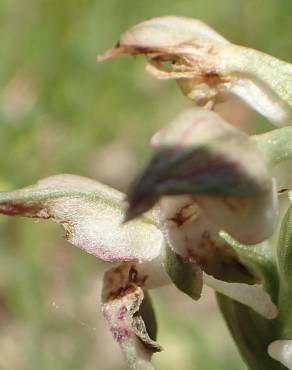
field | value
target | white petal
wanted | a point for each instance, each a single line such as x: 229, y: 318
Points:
x: 261, y: 98
x: 281, y: 350
x: 252, y: 296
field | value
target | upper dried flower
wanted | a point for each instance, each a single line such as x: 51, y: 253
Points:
x: 209, y: 68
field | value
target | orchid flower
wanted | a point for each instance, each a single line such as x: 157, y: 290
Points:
x: 209, y: 68
x: 211, y: 207
x: 149, y: 252
x: 214, y: 187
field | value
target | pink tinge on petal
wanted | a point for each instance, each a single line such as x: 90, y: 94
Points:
x: 92, y: 215
x: 192, y: 235
x: 122, y: 297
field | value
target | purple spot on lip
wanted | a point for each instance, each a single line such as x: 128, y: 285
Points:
x: 122, y: 313
x: 121, y: 334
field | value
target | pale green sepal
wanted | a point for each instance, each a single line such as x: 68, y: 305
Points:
x: 186, y: 276
x: 259, y: 259
x: 251, y: 332
x: 284, y: 252
x: 276, y: 148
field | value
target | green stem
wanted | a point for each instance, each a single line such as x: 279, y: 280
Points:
x: 251, y: 333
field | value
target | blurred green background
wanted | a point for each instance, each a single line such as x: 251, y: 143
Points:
x: 60, y: 112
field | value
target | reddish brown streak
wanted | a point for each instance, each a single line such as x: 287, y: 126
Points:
x: 281, y: 191
x: 179, y: 218
x: 19, y: 209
